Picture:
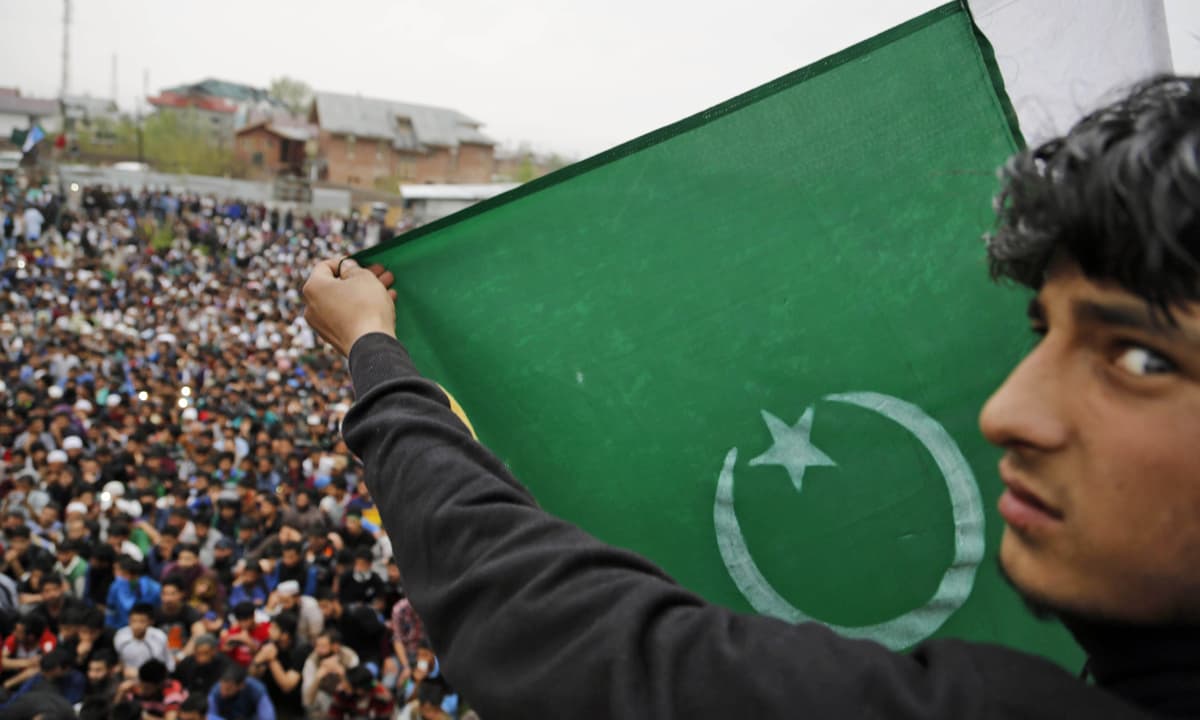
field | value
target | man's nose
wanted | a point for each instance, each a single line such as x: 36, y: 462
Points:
x: 1027, y: 409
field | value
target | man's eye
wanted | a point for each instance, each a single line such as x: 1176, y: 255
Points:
x: 1141, y: 361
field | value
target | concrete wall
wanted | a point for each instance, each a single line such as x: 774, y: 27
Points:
x: 324, y: 199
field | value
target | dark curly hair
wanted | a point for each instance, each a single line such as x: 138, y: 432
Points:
x: 1119, y: 194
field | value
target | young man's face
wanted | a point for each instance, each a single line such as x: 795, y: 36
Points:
x: 139, y: 624
x: 97, y: 671
x: 51, y: 593
x: 1100, y: 423
x: 229, y: 689
x: 172, y: 597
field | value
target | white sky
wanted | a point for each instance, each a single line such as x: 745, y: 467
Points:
x: 565, y: 75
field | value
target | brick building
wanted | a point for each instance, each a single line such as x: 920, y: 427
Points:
x: 373, y: 143
x: 270, y: 148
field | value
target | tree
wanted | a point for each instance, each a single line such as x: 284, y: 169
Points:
x: 295, y: 94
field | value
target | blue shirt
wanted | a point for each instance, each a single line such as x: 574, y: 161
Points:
x: 256, y: 594
x: 310, y: 579
x: 122, y: 596
x: 250, y: 703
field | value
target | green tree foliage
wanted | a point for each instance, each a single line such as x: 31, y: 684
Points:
x: 172, y: 141
x: 296, y: 94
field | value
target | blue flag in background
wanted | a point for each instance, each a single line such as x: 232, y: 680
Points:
x: 32, y: 138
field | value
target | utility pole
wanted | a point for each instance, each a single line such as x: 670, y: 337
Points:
x: 140, y: 117
x: 113, y: 90
x: 62, y: 95
x: 66, y: 48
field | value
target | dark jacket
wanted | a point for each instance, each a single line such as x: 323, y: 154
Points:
x: 533, y: 617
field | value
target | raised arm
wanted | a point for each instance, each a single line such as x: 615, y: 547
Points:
x: 533, y: 617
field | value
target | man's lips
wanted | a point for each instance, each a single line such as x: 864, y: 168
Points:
x: 1024, y: 508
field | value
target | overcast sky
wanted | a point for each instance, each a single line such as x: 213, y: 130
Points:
x: 567, y: 76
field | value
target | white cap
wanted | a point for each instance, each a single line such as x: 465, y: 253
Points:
x: 72, y: 442
x: 314, y: 420
x: 112, y: 400
x: 189, y: 414
x: 289, y: 588
x: 83, y: 406
x: 76, y: 507
x: 132, y: 508
x: 56, y: 456
x: 55, y: 392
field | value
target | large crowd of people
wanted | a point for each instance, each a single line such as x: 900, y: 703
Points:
x: 184, y: 533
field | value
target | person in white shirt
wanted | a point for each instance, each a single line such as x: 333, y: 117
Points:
x: 138, y: 642
x: 32, y: 219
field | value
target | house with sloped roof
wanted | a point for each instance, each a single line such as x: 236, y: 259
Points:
x: 374, y: 143
x: 18, y: 112
x: 272, y: 146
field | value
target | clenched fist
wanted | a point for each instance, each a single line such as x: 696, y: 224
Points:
x: 344, y: 305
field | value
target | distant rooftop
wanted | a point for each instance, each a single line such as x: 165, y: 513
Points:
x: 288, y: 129
x: 408, y: 126
x: 200, y: 102
x: 231, y: 91
x: 13, y: 103
x: 90, y: 105
x: 446, y: 191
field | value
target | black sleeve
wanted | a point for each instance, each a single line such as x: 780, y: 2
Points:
x: 533, y: 617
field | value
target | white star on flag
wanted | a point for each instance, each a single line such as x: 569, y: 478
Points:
x: 793, y: 448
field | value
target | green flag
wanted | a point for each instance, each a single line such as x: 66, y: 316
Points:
x: 753, y: 345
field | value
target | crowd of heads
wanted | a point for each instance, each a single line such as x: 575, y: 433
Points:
x: 182, y: 525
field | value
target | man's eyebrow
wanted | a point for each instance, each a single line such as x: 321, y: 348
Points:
x: 1132, y: 317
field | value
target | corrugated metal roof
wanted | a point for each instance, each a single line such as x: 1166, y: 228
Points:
x: 17, y: 105
x: 376, y: 118
x: 236, y: 92
x: 293, y: 132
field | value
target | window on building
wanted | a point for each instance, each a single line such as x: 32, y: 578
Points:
x: 257, y: 159
x: 379, y: 151
x: 350, y: 146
